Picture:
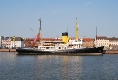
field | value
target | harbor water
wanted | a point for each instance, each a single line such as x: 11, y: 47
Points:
x: 54, y: 67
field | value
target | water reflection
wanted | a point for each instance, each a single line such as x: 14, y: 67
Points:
x: 59, y: 67
x: 53, y: 67
x: 71, y: 65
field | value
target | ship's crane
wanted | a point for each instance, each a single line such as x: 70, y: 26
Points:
x: 38, y: 36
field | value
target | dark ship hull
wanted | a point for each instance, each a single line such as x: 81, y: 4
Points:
x: 82, y: 51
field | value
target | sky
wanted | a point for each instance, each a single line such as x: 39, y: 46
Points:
x: 20, y: 18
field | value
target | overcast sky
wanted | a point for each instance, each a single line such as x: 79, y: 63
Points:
x: 20, y: 17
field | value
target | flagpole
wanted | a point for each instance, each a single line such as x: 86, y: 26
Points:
x: 40, y: 31
x: 96, y: 36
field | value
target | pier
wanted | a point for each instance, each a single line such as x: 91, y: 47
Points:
x: 7, y: 50
x: 110, y: 51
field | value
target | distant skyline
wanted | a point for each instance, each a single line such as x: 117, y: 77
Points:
x: 20, y: 17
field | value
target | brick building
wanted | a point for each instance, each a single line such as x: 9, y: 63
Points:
x: 88, y: 42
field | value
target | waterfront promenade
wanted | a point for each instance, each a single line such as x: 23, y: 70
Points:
x: 7, y: 50
x: 110, y: 51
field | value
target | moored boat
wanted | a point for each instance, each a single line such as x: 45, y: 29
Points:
x: 82, y: 51
x: 64, y: 47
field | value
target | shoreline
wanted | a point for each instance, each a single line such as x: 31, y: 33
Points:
x: 110, y: 51
x: 104, y: 51
x: 7, y: 50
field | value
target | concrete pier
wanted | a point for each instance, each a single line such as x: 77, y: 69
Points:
x: 7, y: 50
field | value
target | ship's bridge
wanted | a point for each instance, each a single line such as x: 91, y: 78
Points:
x: 75, y: 41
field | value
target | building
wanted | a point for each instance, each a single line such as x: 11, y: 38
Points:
x: 113, y: 43
x: 12, y: 42
x: 17, y: 42
x: 88, y: 42
x: 102, y: 41
x: 1, y: 38
x: 6, y: 42
x: 108, y: 43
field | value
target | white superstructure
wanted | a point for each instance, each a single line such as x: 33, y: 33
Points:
x: 59, y: 45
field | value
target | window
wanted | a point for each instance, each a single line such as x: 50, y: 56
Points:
x: 47, y: 47
x: 65, y: 47
x: 59, y: 47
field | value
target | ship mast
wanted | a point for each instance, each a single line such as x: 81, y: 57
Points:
x: 76, y: 30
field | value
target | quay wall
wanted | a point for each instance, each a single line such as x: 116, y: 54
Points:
x: 105, y: 51
x: 110, y: 51
x: 7, y: 50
